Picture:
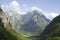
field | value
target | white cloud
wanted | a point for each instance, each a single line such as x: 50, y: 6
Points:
x: 13, y: 6
x: 22, y: 9
x: 51, y: 15
x: 36, y: 8
x: 48, y: 15
x: 5, y: 7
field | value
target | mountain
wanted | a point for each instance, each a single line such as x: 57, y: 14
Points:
x: 6, y: 30
x: 34, y: 22
x: 4, y: 34
x: 7, y: 33
x: 52, y: 31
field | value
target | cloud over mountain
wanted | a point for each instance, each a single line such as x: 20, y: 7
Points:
x: 51, y: 15
x: 22, y: 9
x: 12, y: 6
x: 47, y: 14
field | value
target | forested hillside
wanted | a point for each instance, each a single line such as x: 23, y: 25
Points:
x: 52, y: 31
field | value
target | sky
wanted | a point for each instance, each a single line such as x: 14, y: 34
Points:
x: 50, y: 8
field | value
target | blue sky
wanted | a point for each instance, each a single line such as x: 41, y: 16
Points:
x: 47, y: 6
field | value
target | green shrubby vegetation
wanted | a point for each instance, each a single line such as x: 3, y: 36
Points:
x: 7, y: 33
x: 52, y: 31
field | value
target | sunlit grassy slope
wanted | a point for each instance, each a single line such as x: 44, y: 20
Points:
x: 7, y: 33
x: 14, y: 33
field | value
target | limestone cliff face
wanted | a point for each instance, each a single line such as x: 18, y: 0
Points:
x: 3, y: 16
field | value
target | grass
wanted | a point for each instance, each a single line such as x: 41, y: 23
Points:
x: 14, y: 33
